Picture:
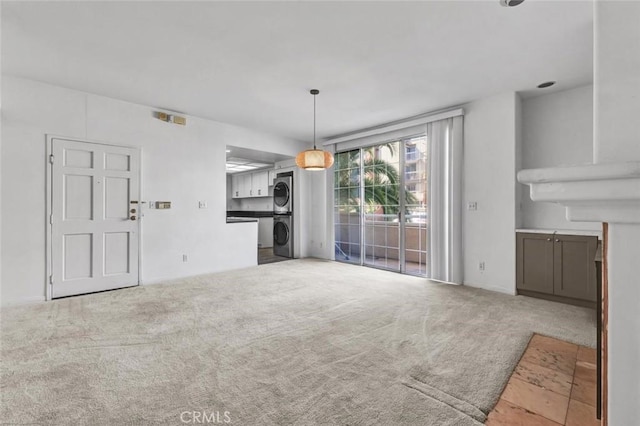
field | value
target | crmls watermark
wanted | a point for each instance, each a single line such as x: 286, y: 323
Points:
x: 205, y: 417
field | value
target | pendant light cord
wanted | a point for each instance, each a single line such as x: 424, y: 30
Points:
x: 314, y: 122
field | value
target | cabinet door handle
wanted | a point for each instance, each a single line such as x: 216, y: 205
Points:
x: 557, y: 240
x: 548, y: 239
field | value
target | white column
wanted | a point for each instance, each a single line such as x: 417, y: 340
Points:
x: 617, y: 139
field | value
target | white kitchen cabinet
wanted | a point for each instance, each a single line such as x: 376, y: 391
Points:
x: 241, y: 186
x: 259, y: 184
x: 249, y: 185
x: 235, y: 186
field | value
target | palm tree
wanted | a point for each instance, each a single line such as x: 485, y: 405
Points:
x: 381, y: 182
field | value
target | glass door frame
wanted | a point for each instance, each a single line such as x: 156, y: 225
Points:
x: 402, y: 218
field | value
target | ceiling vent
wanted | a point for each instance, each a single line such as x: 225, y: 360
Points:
x: 546, y: 84
x: 511, y: 3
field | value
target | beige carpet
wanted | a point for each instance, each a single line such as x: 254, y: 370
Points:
x: 304, y: 342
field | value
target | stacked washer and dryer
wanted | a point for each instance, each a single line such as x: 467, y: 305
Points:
x: 283, y: 215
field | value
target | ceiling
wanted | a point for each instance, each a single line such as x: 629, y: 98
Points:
x: 253, y: 63
x: 242, y: 159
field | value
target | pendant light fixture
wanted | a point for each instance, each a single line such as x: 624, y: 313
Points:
x: 314, y: 159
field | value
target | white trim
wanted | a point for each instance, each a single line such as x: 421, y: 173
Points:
x: 49, y: 206
x: 581, y: 173
x: 395, y: 125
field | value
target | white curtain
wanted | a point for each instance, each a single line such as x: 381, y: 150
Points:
x: 445, y: 199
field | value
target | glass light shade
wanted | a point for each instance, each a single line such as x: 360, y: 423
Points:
x: 314, y: 159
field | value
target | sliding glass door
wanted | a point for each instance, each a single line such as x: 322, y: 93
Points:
x: 380, y: 206
x: 381, y: 183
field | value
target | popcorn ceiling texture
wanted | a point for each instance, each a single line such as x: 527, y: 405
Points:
x: 302, y: 342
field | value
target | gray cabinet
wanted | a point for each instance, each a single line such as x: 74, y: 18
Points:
x: 556, y: 266
x: 534, y: 258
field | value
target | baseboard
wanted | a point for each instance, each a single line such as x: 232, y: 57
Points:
x: 492, y: 288
x: 23, y: 301
x: 559, y: 299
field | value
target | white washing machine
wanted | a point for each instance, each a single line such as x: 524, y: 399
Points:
x: 283, y: 195
x: 283, y: 235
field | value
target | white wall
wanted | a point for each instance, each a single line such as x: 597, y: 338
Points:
x: 521, y: 192
x: 1, y: 76
x: 179, y: 164
x: 617, y: 139
x: 557, y: 131
x: 320, y: 245
x: 617, y: 73
x: 490, y: 132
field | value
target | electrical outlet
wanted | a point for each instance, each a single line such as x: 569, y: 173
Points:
x: 202, y: 204
x: 481, y: 266
x: 184, y: 258
x: 472, y: 205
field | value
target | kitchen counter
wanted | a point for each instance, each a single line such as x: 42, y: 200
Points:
x: 240, y: 220
x: 249, y: 213
x: 563, y: 232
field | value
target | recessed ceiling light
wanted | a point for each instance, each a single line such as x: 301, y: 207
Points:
x: 511, y: 3
x: 546, y: 84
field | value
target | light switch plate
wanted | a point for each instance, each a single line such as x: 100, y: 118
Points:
x: 472, y: 205
x: 163, y: 204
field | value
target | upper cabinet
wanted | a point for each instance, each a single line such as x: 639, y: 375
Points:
x: 241, y: 185
x: 248, y: 185
x: 259, y: 184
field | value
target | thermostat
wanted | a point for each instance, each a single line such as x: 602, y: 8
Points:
x: 163, y: 204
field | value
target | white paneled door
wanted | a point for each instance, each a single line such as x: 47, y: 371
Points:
x: 94, y: 217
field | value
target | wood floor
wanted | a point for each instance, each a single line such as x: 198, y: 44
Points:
x: 553, y: 384
x: 265, y: 255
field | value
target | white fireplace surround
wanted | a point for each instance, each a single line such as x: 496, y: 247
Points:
x: 607, y: 192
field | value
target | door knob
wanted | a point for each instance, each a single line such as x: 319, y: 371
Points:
x: 132, y: 218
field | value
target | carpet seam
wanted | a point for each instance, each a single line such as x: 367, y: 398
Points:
x: 480, y: 416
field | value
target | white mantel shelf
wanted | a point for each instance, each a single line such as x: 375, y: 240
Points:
x: 592, y: 193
